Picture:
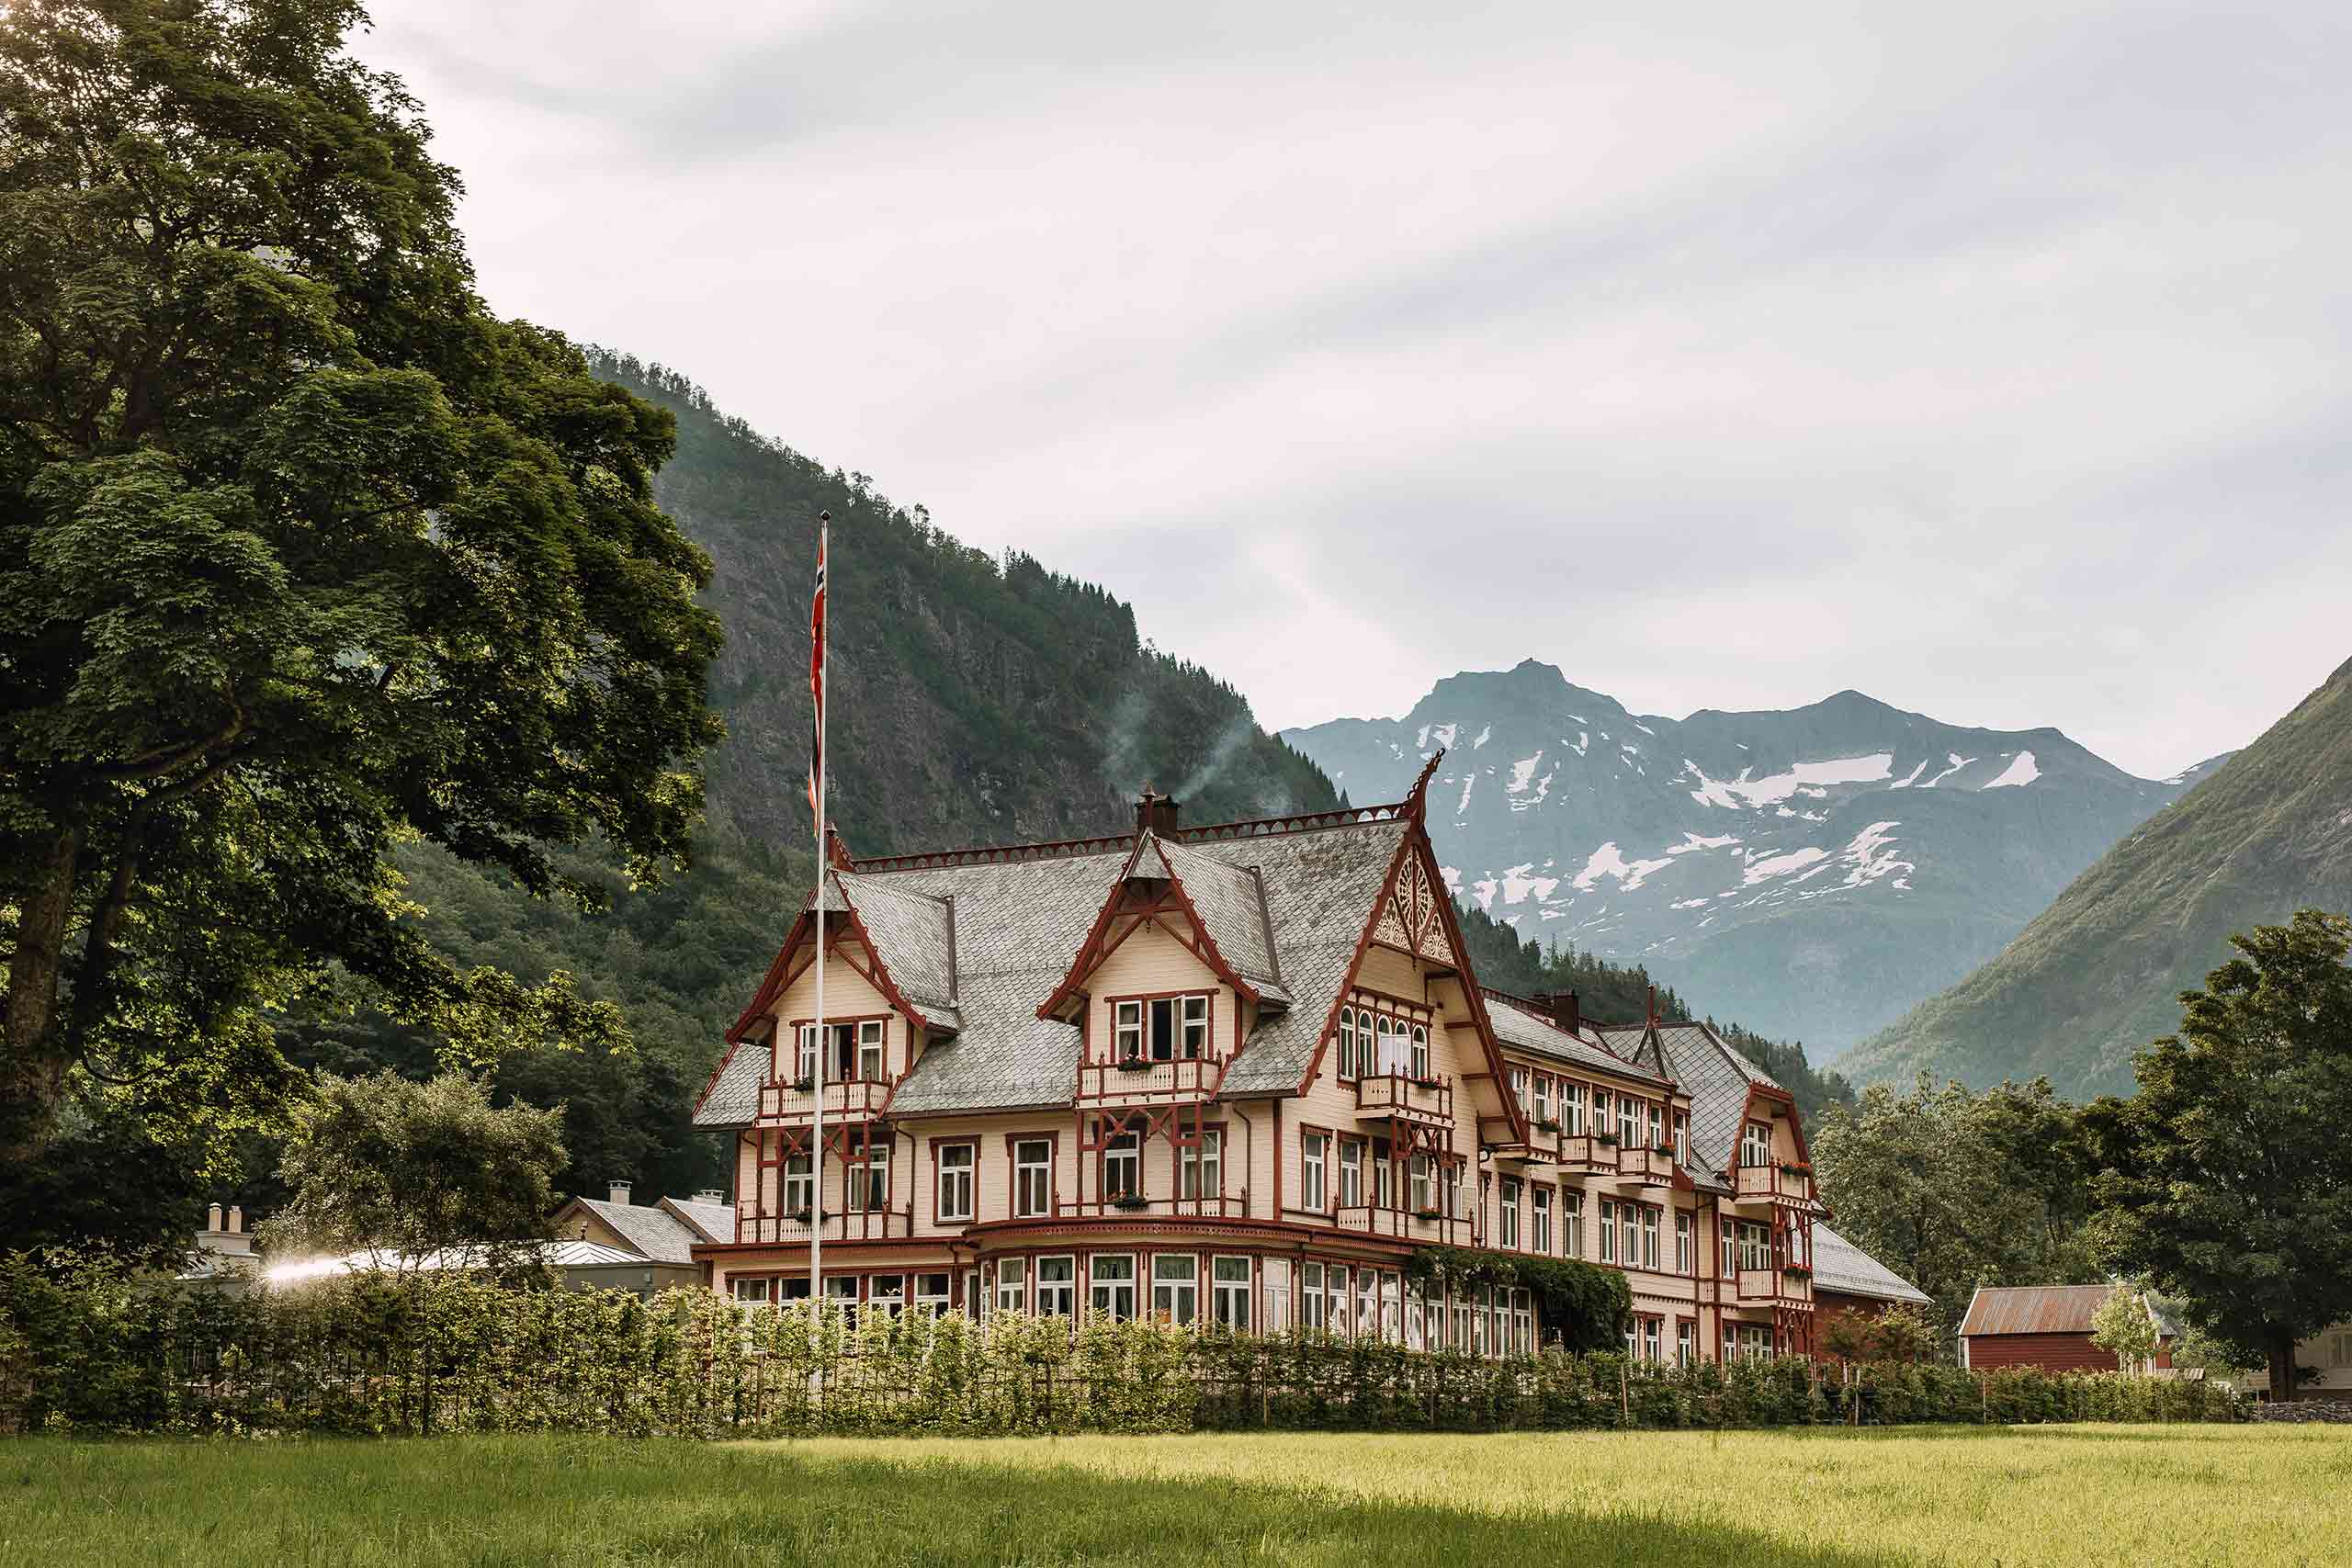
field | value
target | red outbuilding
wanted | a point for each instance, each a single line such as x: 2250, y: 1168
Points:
x: 2047, y: 1326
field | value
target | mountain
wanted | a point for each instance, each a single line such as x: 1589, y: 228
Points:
x: 1811, y: 873
x: 2098, y: 973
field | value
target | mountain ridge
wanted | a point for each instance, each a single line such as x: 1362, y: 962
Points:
x: 2096, y: 974
x: 1811, y: 871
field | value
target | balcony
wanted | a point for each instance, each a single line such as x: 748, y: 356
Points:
x: 1140, y: 1081
x: 1215, y: 1208
x: 795, y: 1230
x: 1638, y: 1166
x: 1772, y: 1184
x: 1405, y: 1225
x: 1398, y: 1097
x: 854, y: 1099
x: 1575, y: 1153
x: 1780, y: 1287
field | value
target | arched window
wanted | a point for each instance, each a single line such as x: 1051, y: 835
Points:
x: 1420, y: 1050
x: 1347, y: 1042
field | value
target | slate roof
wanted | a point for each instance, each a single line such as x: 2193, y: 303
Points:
x: 1021, y: 916
x: 1716, y: 1077
x: 913, y: 934
x: 2032, y: 1309
x: 653, y: 1232
x: 714, y: 1221
x: 1839, y: 1266
x: 1520, y: 1024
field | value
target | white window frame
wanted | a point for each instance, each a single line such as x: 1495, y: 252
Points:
x: 1055, y: 1296
x: 957, y: 1172
x: 1540, y: 1207
x: 1572, y: 1222
x: 1609, y: 1230
x: 1755, y: 1146
x: 1310, y: 1294
x: 932, y: 1290
x: 1510, y: 1201
x: 1028, y: 1203
x: 1571, y: 1109
x: 1348, y: 1042
x: 1111, y: 1283
x: 1685, y: 1230
x: 873, y: 1051
x: 749, y: 1292
x: 1229, y: 1285
x: 1314, y: 1151
x: 1012, y: 1286
x: 1176, y: 1288
x: 1193, y: 1028
x: 1352, y: 1158
x: 1421, y: 1051
x: 1127, y: 1032
x: 1201, y: 1167
x: 799, y: 1188
x: 1125, y: 1150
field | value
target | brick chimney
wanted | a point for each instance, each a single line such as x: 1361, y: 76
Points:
x: 1155, y: 812
x: 1561, y: 1008
x: 617, y: 1194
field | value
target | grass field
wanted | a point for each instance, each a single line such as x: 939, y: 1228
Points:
x: 2062, y: 1494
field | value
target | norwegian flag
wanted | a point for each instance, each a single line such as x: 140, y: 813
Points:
x: 817, y: 670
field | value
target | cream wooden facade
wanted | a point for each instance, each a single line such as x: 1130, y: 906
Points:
x: 1392, y: 1106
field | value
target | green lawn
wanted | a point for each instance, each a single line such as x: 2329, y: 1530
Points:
x: 2058, y: 1494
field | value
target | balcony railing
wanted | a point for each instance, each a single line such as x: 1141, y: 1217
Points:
x: 1574, y: 1152
x: 1639, y: 1166
x: 1400, y: 1097
x: 1772, y: 1184
x: 851, y: 1100
x: 1138, y: 1080
x: 1220, y: 1207
x: 1778, y: 1285
x: 785, y: 1230
x: 1408, y: 1225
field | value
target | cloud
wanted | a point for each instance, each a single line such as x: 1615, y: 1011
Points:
x: 1989, y: 359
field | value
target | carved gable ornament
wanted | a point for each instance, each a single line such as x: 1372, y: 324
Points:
x: 1413, y: 920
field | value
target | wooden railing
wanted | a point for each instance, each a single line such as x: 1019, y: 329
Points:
x: 1405, y: 1225
x: 852, y: 1100
x: 1220, y: 1207
x: 784, y: 1230
x: 1400, y: 1097
x: 1778, y: 1285
x: 1138, y: 1080
x: 1763, y: 1183
x: 1644, y: 1167
x: 1572, y: 1151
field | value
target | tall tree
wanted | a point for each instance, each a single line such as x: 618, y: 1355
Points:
x: 2227, y: 1179
x: 302, y: 554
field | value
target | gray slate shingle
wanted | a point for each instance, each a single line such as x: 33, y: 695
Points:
x: 1019, y: 923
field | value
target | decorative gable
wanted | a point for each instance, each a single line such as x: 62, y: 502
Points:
x: 1413, y: 919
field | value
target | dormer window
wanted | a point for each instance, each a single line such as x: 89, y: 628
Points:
x: 1756, y: 1145
x: 1160, y: 1029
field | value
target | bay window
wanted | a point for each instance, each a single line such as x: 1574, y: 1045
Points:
x: 1057, y: 1287
x: 1229, y: 1305
x: 1176, y: 1288
x: 1114, y: 1285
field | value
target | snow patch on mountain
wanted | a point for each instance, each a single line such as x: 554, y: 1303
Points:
x: 1911, y: 778
x: 2020, y: 771
x: 1772, y: 866
x: 1771, y: 791
x: 1956, y: 761
x: 1871, y: 856
x: 1607, y: 862
x: 1482, y: 737
x: 1693, y: 842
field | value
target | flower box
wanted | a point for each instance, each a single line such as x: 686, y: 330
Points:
x: 1548, y: 1124
x: 1606, y: 1140
x: 1666, y: 1149
x: 802, y: 1086
x: 1130, y: 1203
x: 1426, y: 1214
x: 1134, y: 1065
x: 1797, y: 1271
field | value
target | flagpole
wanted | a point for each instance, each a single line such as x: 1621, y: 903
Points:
x: 817, y: 1151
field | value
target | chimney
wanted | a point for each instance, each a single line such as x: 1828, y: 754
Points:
x: 710, y: 1195
x: 1156, y: 813
x: 213, y: 1219
x: 1561, y: 1008
x: 619, y: 1194
x: 236, y: 1219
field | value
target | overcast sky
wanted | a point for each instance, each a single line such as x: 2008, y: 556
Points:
x: 1991, y: 358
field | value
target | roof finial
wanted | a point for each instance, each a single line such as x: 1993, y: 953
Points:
x: 1417, y: 803
x: 1653, y: 1007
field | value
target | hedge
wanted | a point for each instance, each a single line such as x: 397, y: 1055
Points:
x: 100, y: 1351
